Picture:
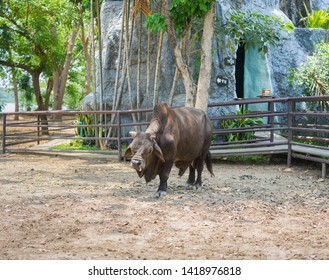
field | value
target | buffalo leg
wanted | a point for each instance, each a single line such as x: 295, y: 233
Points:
x: 191, y: 176
x: 199, y: 163
x: 164, y: 175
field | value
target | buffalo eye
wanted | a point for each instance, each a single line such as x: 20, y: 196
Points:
x: 133, y: 151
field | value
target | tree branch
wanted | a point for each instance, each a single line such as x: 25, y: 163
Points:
x: 170, y: 25
x: 20, y: 30
x: 16, y: 65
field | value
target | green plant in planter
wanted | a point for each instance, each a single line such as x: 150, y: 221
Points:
x: 237, y: 123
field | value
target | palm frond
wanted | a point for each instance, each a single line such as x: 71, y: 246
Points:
x: 318, y: 19
x: 141, y: 6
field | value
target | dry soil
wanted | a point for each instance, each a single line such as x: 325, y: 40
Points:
x: 72, y: 208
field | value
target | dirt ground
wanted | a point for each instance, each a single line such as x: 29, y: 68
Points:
x: 70, y: 208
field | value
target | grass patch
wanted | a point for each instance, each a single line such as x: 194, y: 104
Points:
x: 74, y: 145
x: 310, y: 141
x: 244, y: 159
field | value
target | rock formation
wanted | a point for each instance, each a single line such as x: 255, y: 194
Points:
x: 257, y: 71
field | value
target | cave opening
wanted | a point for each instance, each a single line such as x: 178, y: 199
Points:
x: 239, y: 71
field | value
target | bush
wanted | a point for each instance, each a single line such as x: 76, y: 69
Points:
x: 84, y: 119
x: 318, y: 19
x: 312, y: 76
x: 237, y: 123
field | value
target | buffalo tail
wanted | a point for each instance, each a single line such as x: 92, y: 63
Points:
x: 209, y: 163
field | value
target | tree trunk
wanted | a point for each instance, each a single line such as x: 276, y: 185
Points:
x: 128, y: 40
x: 173, y: 87
x: 148, y: 62
x: 63, y: 75
x: 157, y: 70
x: 115, y: 91
x: 93, y: 52
x: 56, y: 83
x: 100, y: 57
x: 93, y: 49
x: 50, y: 86
x: 190, y: 87
x: 206, y: 60
x: 41, y: 107
x: 139, y: 55
x: 13, y: 72
x: 84, y: 42
x: 36, y: 87
x: 101, y: 88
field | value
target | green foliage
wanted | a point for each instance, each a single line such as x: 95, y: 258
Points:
x: 89, y: 131
x: 312, y: 76
x: 238, y: 123
x: 318, y: 19
x: 34, y: 33
x: 253, y: 29
x: 2, y: 103
x: 5, y: 95
x: 74, y: 145
x: 259, y: 159
x: 24, y: 83
x: 310, y: 141
x: 183, y: 11
x: 74, y: 91
x: 73, y: 95
x: 156, y: 22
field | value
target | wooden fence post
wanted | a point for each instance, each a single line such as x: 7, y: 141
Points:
x: 272, y: 121
x: 119, y: 137
x: 4, y: 117
x: 290, y: 132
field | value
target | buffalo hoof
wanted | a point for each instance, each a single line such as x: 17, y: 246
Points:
x: 160, y: 194
x: 195, y: 187
x: 198, y: 187
x: 188, y: 186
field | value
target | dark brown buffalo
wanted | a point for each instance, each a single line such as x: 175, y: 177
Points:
x: 179, y: 136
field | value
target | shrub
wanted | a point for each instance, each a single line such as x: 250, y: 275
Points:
x: 237, y: 123
x: 318, y: 19
x: 312, y: 76
x: 82, y: 131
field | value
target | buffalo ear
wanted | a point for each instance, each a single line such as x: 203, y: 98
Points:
x: 157, y: 151
x: 128, y: 152
x: 133, y: 134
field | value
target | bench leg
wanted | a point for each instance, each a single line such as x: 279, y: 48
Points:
x: 324, y: 170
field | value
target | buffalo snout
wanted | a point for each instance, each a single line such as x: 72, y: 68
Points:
x: 137, y: 164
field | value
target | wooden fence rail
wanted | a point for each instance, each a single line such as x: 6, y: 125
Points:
x: 287, y: 126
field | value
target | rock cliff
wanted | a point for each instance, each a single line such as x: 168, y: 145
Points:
x: 247, y: 77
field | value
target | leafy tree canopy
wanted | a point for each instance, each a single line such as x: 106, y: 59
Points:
x: 253, y: 29
x: 182, y: 13
x: 33, y: 33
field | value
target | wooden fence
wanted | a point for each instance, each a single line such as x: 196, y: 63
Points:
x: 297, y: 126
